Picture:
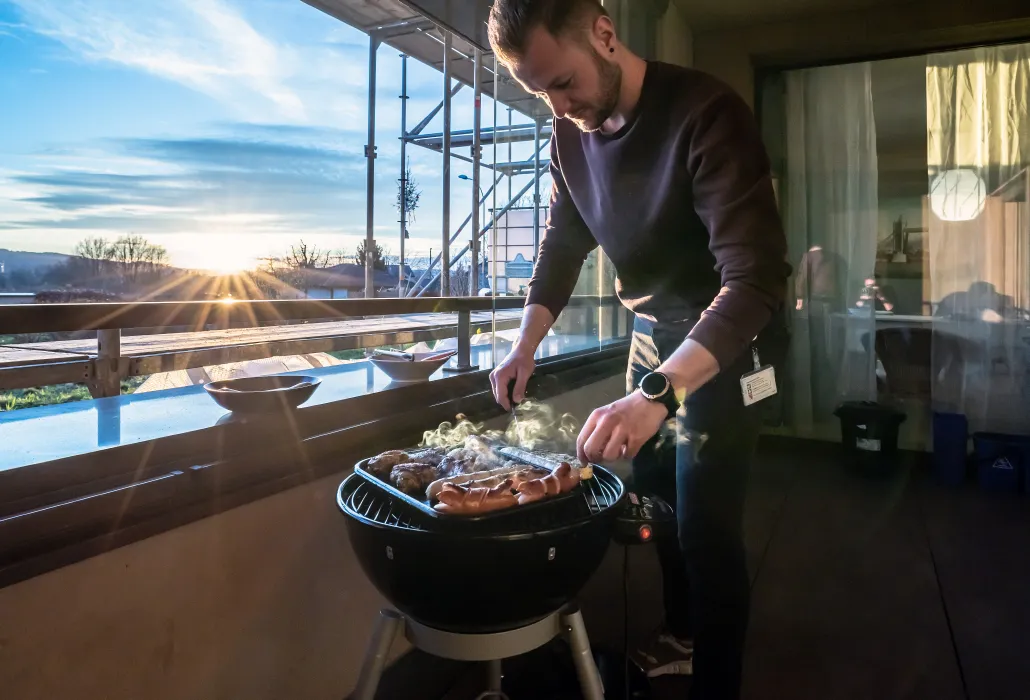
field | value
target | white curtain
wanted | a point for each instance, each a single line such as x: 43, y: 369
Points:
x: 830, y: 210
x: 978, y: 147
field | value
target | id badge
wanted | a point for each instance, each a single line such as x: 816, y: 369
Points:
x: 758, y: 384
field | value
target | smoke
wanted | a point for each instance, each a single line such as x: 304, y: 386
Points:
x: 539, y: 427
x: 453, y: 434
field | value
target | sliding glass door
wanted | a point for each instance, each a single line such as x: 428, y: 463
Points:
x: 904, y: 189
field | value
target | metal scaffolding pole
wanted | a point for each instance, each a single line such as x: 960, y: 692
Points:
x: 370, y: 157
x: 403, y: 198
x: 477, y: 123
x: 536, y: 188
x: 511, y: 177
x: 445, y: 257
x: 493, y: 224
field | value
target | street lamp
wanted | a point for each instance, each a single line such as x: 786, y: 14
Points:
x: 475, y: 237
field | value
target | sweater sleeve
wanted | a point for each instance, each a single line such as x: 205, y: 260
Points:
x: 733, y: 196
x: 565, y: 244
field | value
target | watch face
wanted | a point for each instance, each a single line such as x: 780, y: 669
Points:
x: 654, y: 385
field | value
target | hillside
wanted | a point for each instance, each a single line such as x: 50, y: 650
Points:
x: 13, y: 260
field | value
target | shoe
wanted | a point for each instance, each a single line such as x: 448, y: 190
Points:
x: 665, y: 655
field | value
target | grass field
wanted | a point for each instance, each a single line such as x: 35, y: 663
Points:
x: 58, y: 393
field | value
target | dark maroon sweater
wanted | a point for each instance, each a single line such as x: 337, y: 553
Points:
x: 681, y: 201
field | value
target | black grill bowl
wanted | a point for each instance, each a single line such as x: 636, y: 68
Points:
x: 486, y: 576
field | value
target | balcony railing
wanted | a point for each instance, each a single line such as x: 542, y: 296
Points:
x: 184, y: 335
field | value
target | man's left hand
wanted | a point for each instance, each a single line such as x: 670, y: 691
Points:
x: 620, y: 429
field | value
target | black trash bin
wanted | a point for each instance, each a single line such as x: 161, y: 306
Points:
x: 869, y: 435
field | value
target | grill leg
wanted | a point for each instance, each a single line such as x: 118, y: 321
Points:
x: 388, y: 627
x: 493, y: 669
x: 586, y: 669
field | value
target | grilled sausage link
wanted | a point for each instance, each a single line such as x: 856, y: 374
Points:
x: 459, y: 500
x: 564, y: 478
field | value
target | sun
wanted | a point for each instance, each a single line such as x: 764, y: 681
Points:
x: 229, y: 265
x: 223, y: 254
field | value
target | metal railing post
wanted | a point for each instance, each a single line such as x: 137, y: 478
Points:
x: 464, y: 344
x: 445, y: 253
x: 107, y: 374
x: 402, y: 200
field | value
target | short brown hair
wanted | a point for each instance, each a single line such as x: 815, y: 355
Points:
x: 511, y: 21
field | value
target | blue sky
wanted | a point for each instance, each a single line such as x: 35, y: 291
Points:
x: 223, y: 129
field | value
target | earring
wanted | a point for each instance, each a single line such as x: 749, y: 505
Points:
x: 611, y: 50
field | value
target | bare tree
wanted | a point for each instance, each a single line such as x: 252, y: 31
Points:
x: 97, y: 251
x: 307, y: 257
x: 340, y: 256
x: 461, y: 279
x: 136, y: 255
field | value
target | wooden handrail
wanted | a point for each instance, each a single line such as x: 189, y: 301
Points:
x: 51, y: 318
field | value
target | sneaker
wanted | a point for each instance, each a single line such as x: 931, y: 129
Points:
x: 665, y: 655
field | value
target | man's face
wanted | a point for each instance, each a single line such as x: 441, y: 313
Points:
x: 572, y: 75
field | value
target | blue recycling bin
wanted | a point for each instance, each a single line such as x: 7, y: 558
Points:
x: 999, y: 461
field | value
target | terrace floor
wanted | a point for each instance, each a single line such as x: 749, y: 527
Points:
x: 884, y: 588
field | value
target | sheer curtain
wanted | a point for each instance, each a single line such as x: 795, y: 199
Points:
x: 978, y: 147
x: 830, y: 210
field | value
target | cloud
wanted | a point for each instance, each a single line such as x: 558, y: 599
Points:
x: 203, y: 44
x: 292, y: 178
x: 286, y: 157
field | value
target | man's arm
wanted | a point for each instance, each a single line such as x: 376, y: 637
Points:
x: 518, y: 366
x: 733, y: 196
x: 564, y: 246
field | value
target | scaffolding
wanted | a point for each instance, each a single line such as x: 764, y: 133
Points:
x: 446, y: 143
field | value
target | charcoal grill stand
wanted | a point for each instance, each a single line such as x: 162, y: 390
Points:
x: 491, y: 648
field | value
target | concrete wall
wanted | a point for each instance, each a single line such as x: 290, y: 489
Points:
x: 263, y: 602
x: 922, y: 25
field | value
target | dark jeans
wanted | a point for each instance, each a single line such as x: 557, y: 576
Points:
x: 701, y: 468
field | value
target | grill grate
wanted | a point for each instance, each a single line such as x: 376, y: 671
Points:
x: 365, y: 501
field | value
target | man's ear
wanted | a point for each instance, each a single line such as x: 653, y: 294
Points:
x: 602, y: 35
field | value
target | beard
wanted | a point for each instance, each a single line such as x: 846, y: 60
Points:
x: 590, y: 117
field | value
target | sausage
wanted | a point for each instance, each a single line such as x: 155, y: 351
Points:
x: 459, y: 500
x: 490, y: 478
x: 564, y: 478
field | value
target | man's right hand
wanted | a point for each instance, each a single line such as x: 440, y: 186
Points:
x: 517, y: 366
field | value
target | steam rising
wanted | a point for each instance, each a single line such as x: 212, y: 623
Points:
x: 539, y: 428
x: 451, y: 434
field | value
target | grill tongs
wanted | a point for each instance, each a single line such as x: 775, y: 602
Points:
x: 522, y: 456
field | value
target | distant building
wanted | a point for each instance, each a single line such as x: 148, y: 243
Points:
x: 345, y: 281
x: 515, y: 253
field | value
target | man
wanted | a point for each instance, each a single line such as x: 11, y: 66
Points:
x: 663, y: 167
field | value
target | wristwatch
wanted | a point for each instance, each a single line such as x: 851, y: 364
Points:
x: 657, y: 387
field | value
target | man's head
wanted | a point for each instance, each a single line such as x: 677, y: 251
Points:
x: 565, y: 51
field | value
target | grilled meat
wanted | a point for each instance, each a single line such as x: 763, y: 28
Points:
x: 470, y: 501
x: 380, y: 465
x: 457, y: 462
x: 465, y: 461
x: 413, y: 477
x: 427, y: 455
